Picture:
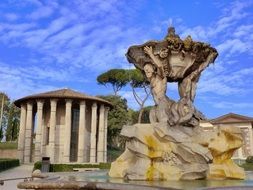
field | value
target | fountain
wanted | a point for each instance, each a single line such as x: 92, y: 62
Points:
x: 173, y: 150
x: 173, y: 146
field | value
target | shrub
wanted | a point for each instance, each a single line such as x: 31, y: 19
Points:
x: 37, y: 166
x: 69, y: 167
x: 8, y: 145
x: 249, y: 159
x: 8, y: 163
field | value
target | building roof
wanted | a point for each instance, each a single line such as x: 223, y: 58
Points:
x: 61, y: 94
x: 231, y: 118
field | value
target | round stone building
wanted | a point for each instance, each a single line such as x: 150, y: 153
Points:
x: 65, y: 125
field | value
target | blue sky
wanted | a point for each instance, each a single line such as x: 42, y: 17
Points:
x: 46, y: 45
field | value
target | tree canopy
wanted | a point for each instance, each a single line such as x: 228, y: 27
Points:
x: 116, y: 77
x: 4, y: 102
x: 13, y: 123
x: 119, y: 78
x: 9, y: 118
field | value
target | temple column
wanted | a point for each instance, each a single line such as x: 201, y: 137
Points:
x: 53, y: 105
x: 67, y: 135
x: 105, y: 133
x: 100, y: 150
x: 38, y: 139
x: 93, y: 139
x: 251, y: 140
x: 28, y: 133
x: 21, y: 136
x: 82, y: 131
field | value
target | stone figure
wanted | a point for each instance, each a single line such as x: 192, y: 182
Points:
x: 173, y: 146
x: 155, y: 74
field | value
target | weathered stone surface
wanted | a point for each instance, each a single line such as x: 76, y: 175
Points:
x: 222, y: 147
x: 158, y: 153
x: 149, y: 156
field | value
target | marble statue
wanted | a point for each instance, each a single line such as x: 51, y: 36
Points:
x: 173, y: 146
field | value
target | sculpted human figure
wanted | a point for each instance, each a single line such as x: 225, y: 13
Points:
x: 158, y: 80
x: 187, y: 91
x: 187, y: 87
x: 155, y: 74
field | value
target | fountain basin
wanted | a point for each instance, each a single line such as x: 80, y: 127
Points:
x: 101, y: 180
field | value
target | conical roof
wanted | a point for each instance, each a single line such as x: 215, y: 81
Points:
x: 65, y: 93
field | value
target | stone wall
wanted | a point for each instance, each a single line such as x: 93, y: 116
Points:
x: 8, y: 153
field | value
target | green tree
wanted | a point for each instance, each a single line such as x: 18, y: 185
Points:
x: 13, y: 123
x: 118, y: 78
x: 117, y: 117
x: 4, y: 101
x: 133, y: 115
x: 138, y: 81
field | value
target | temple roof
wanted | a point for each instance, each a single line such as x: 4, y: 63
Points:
x: 231, y: 118
x: 61, y: 94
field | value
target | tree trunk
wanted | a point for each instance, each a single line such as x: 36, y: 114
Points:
x: 140, y: 114
x: 2, y: 110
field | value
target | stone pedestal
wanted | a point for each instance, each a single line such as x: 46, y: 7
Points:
x: 156, y: 152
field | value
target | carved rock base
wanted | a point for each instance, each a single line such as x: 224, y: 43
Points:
x: 158, y: 152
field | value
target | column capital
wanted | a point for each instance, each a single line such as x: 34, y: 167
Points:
x: 29, y: 105
x: 53, y: 104
x: 82, y: 102
x: 53, y: 100
x: 69, y: 101
x: 102, y: 106
x: 23, y: 105
x: 40, y: 103
x: 94, y: 105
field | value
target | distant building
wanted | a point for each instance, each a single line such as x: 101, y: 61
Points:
x: 68, y: 127
x: 243, y: 122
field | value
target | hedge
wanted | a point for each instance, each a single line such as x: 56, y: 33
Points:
x: 69, y: 167
x: 6, y: 163
x: 249, y: 159
x: 8, y: 145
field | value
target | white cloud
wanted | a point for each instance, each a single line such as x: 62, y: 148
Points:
x: 227, y: 83
x: 19, y: 81
x: 43, y: 11
x: 243, y: 30
x: 232, y: 105
x: 226, y: 24
x: 11, y: 16
x: 77, y: 36
x: 233, y: 46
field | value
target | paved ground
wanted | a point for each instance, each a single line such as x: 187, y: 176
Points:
x: 20, y: 171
